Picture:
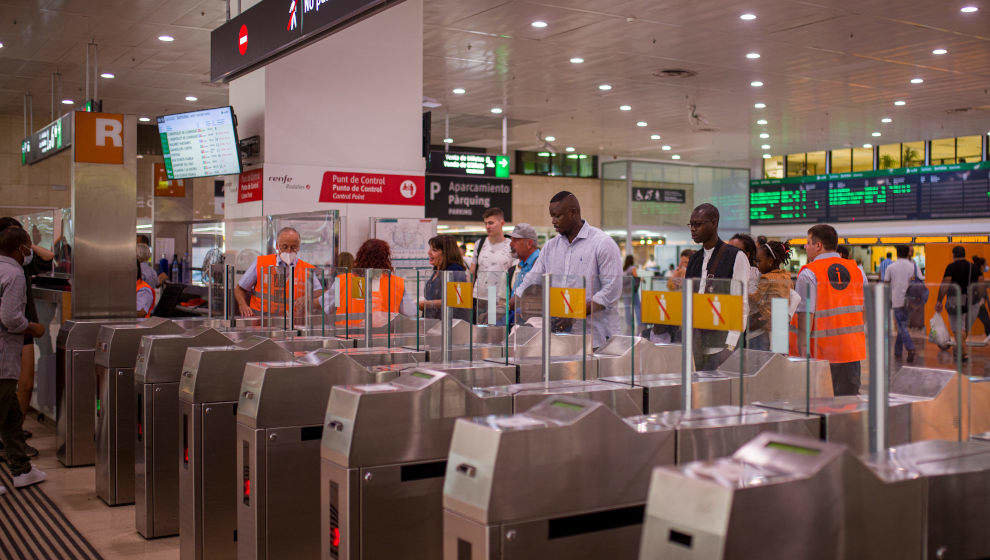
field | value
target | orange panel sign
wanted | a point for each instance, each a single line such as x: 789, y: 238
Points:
x: 567, y: 302
x: 459, y: 294
x: 99, y: 138
x: 718, y: 312
x: 661, y: 308
x: 166, y: 187
x: 357, y: 287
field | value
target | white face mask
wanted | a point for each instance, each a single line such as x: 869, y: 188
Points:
x: 29, y: 257
x: 288, y: 258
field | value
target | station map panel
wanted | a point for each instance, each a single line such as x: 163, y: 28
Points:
x: 918, y: 193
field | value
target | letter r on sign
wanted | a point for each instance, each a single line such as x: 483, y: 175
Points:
x: 109, y: 129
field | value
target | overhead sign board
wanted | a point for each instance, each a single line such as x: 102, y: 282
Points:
x: 468, y: 164
x: 645, y: 194
x: 273, y: 27
x: 99, y: 138
x: 50, y: 140
x: 466, y: 198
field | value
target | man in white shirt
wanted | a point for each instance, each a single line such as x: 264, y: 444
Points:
x: 492, y: 260
x: 714, y: 266
x: 899, y: 275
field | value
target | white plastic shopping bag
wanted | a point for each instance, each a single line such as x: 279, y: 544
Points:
x: 937, y: 331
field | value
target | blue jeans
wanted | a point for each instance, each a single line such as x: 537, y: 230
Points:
x: 903, y: 336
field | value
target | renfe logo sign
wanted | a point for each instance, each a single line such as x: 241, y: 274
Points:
x: 372, y: 188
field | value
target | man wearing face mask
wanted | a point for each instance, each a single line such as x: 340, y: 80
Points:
x: 251, y: 287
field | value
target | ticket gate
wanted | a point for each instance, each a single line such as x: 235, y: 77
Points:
x: 783, y: 496
x: 616, y: 357
x: 115, y: 415
x: 75, y: 389
x: 566, y: 479
x: 935, y: 415
x: 208, y: 393
x: 279, y: 427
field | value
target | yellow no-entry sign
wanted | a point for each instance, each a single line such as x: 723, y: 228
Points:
x: 718, y: 312
x: 459, y: 294
x: 567, y: 302
x: 661, y: 308
x: 357, y: 287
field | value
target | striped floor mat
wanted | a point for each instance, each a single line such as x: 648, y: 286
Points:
x: 32, y: 526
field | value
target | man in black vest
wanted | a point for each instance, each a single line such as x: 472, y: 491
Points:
x: 712, y: 268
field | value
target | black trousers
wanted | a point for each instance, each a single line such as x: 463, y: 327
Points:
x: 845, y: 378
x: 11, y: 428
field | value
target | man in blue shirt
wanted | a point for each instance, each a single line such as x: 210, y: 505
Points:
x: 523, y: 243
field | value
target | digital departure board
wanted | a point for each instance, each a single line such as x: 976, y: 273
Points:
x: 50, y: 140
x: 468, y: 164
x: 200, y: 143
x: 914, y: 193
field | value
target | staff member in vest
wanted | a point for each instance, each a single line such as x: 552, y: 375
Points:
x: 581, y: 250
x: 715, y: 265
x: 831, y: 290
x: 145, y: 295
x: 388, y: 292
x: 250, y: 288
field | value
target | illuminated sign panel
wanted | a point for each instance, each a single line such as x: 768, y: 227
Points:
x: 200, y: 143
x: 467, y: 164
x: 50, y: 140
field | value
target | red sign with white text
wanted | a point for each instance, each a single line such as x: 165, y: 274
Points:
x: 249, y: 185
x: 372, y: 188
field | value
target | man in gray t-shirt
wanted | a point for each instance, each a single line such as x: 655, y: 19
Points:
x: 492, y: 260
x: 899, y: 274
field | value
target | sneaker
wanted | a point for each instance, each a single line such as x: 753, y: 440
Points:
x: 27, y: 479
x: 30, y: 451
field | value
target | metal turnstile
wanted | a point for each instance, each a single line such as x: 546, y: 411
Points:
x: 279, y: 427
x: 783, y: 496
x: 616, y: 357
x: 936, y: 414
x: 208, y: 392
x: 116, y: 354
x: 566, y: 479
x: 75, y: 390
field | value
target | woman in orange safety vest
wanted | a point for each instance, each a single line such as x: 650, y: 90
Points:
x: 144, y: 295
x: 376, y: 255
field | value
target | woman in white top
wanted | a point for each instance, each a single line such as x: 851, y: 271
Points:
x: 744, y: 242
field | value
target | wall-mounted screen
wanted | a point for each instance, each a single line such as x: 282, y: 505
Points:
x: 200, y: 143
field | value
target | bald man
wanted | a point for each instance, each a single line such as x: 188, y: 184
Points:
x: 581, y: 250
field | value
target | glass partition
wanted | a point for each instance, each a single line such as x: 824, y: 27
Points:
x: 244, y: 242
x: 318, y: 233
x: 943, y: 151
x: 841, y: 160
x: 890, y: 156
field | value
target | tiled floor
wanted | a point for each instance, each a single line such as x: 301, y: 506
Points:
x: 110, y: 530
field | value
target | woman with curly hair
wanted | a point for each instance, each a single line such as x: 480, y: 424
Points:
x: 774, y: 282
x: 372, y: 270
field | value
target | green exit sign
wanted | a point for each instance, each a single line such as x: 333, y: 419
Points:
x: 466, y: 164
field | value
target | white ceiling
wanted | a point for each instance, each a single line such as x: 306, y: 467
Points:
x: 831, y: 69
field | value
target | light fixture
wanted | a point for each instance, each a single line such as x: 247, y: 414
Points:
x: 875, y: 134
x: 654, y: 137
x: 1, y: 44
x: 917, y: 81
x: 192, y: 98
x: 458, y: 91
x: 641, y: 123
x: 900, y: 103
x: 544, y: 154
x: 764, y: 135
x: 550, y: 138
x: 144, y: 119
x: 761, y: 122
x: 625, y: 108
x: 867, y: 145
x: 969, y: 9
x: 539, y: 24
x: 886, y: 120
x: 747, y: 17
x: 107, y: 75
x: 675, y: 156
x: 765, y: 147
x: 577, y: 60
x: 67, y: 102
x: 753, y: 55
x: 604, y: 87
x: 667, y: 148
x: 767, y: 156
x: 756, y: 83
x: 569, y: 149
x: 496, y: 110
x: 760, y: 105
x: 448, y: 140
x: 940, y: 51
x: 139, y: 156
x: 166, y: 38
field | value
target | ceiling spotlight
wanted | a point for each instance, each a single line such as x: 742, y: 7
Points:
x: 900, y: 103
x: 192, y: 98
x: 67, y: 102
x: 665, y: 148
x: 654, y: 137
x: 875, y: 134
x: 458, y: 91
x: 550, y: 138
x: 886, y: 120
x: 753, y: 55
x: 604, y: 87
x: 764, y: 135
x: 969, y: 9
x: 166, y: 38
x: 139, y: 156
x: 675, y: 156
x: 940, y: 51
x: 761, y: 122
x: 917, y: 81
x: 756, y: 83
x: 144, y: 119
x: 641, y: 123
x: 747, y: 17
x: 867, y: 145
x: 496, y: 110
x: 765, y: 147
x: 1, y: 44
x: 760, y: 105
x: 767, y: 156
x: 107, y: 75
x: 625, y: 108
x: 448, y: 140
x: 569, y: 149
x: 539, y: 24
x: 577, y: 60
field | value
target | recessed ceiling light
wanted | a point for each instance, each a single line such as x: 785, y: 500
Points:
x: 675, y: 156
x: 767, y: 156
x: 458, y: 91
x: 940, y: 51
x: 1, y: 44
x: 654, y: 137
x: 761, y: 122
x: 917, y: 81
x: 604, y: 87
x: 756, y: 83
x: 764, y: 135
x: 448, y: 140
x: 969, y: 9
x: 67, y: 102
x: 139, y: 156
x: 886, y: 120
x: 900, y: 103
x: 667, y: 148
x: 539, y: 24
x: 625, y: 108
x: 765, y: 147
x: 867, y: 145
x: 641, y: 123
x: 747, y: 17
x: 875, y: 134
x: 496, y: 110
x: 143, y: 119
x: 166, y: 38
x: 192, y: 98
x: 569, y: 149
x: 753, y: 55
x: 550, y: 138
x: 760, y: 105
x: 107, y: 75
x: 577, y: 60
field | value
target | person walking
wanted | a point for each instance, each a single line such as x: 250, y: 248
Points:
x: 882, y: 271
x: 492, y: 259
x: 962, y: 273
x: 632, y: 298
x: 899, y: 275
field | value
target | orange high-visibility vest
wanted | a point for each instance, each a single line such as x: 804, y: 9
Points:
x: 143, y: 284
x: 386, y: 299
x: 261, y: 288
x: 838, y: 332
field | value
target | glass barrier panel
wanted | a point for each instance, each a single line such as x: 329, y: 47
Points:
x: 578, y: 317
x: 457, y: 308
x: 526, y: 305
x: 487, y: 336
x: 411, y: 329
